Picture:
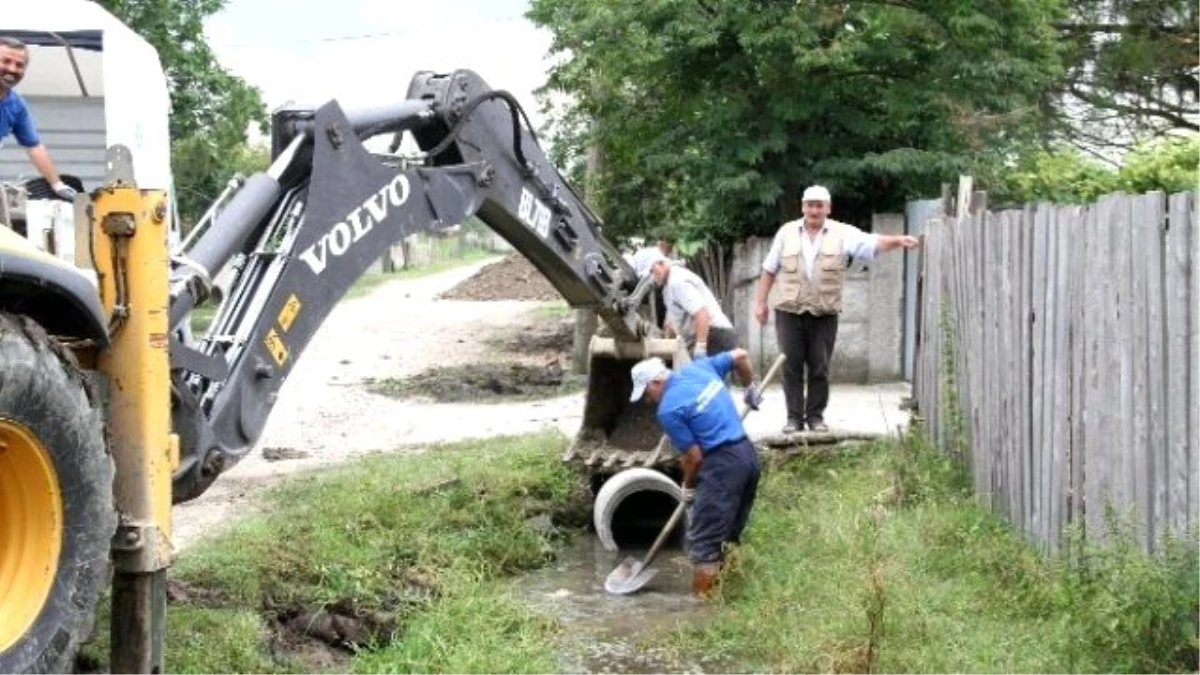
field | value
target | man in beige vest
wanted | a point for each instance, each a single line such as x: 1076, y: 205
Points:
x: 808, y: 257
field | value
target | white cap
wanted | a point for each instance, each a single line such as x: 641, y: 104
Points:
x: 816, y: 193
x: 645, y: 259
x: 645, y: 372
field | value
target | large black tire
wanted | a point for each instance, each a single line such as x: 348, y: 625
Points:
x: 42, y: 388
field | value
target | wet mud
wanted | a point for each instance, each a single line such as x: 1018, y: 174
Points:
x: 603, y: 633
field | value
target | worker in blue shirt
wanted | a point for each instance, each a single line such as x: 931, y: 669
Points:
x: 720, y: 465
x: 15, y: 118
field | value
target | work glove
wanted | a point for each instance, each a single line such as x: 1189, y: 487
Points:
x: 701, y: 351
x: 689, y: 495
x: 64, y: 191
x: 753, y: 396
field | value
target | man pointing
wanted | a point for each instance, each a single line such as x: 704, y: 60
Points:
x: 808, y: 259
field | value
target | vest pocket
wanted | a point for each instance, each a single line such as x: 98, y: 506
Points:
x: 832, y: 268
x: 789, y: 263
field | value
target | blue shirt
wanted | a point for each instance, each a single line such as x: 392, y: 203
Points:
x: 15, y: 119
x: 697, y: 409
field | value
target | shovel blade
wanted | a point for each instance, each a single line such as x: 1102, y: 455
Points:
x: 629, y: 577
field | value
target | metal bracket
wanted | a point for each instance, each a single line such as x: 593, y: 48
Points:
x: 119, y: 224
x: 140, y: 546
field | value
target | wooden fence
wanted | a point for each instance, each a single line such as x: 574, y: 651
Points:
x: 1057, y: 356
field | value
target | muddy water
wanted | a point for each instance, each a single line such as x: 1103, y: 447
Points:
x: 604, y: 633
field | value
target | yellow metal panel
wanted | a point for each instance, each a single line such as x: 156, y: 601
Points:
x: 133, y: 272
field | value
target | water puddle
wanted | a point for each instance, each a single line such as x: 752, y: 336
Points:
x: 603, y: 633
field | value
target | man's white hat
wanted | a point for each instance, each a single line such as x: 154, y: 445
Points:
x: 645, y: 372
x: 644, y: 260
x: 816, y: 193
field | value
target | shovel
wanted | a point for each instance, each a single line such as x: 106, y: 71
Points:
x: 633, y: 574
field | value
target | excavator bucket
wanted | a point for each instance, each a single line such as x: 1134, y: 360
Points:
x: 616, y: 433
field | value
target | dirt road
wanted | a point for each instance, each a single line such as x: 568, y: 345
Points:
x: 325, y: 415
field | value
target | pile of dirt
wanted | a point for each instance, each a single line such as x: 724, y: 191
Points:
x: 513, y: 278
x: 482, y: 383
x: 541, y: 338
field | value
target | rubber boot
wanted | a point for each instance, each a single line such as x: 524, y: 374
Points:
x: 704, y: 575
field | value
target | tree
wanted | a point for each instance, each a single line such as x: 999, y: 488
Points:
x: 211, y: 109
x: 712, y: 116
x: 202, y: 169
x: 1132, y: 73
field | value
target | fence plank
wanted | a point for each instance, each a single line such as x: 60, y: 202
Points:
x: 1135, y: 309
x: 1037, y: 362
x: 1177, y: 270
x: 1126, y: 472
x: 1027, y: 387
x: 995, y: 383
x: 1104, y: 375
x: 1152, y: 212
x: 1008, y: 424
x: 1051, y: 410
x: 1193, y: 363
x: 1023, y: 365
x: 1081, y: 246
x: 1061, y: 369
x: 1041, y: 361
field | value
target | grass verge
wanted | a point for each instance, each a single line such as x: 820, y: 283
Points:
x: 878, y: 559
x: 394, y: 564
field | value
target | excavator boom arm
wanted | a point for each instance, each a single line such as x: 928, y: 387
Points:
x: 305, y: 230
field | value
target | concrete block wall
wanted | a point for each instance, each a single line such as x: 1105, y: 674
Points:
x: 869, y: 344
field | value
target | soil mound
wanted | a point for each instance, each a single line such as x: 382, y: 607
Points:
x: 512, y: 278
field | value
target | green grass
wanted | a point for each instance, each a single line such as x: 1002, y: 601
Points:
x: 425, y: 539
x: 848, y: 569
x: 556, y: 309
x: 875, y: 558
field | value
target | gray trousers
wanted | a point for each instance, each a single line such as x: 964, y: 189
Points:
x: 807, y: 341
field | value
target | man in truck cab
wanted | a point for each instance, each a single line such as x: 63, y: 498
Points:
x: 15, y: 118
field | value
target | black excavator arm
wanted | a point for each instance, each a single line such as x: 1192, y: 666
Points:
x: 300, y: 234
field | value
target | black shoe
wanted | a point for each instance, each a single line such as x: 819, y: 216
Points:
x: 818, y: 426
x: 793, y: 427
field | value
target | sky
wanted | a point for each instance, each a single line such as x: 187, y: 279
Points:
x: 365, y: 52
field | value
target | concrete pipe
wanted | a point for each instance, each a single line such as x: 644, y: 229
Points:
x: 645, y: 494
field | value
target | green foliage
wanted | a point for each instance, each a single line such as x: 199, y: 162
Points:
x: 205, y: 98
x: 211, y: 108
x: 1168, y: 164
x: 1061, y: 176
x: 202, y: 168
x: 711, y: 117
x: 1064, y: 175
x: 1127, y: 611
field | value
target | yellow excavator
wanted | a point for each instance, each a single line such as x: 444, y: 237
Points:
x: 111, y: 411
